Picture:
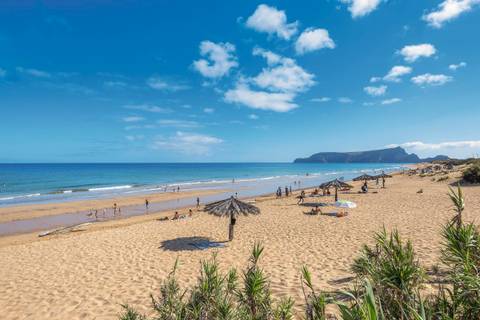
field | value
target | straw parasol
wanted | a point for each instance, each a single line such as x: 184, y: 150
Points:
x: 232, y: 208
x: 337, y: 184
x: 364, y: 177
x: 382, y: 176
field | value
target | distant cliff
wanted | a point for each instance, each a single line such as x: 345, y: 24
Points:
x: 391, y: 155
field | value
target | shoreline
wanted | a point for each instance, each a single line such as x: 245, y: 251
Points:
x: 152, y: 214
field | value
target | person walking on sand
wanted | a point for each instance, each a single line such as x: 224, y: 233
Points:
x: 286, y: 192
x: 301, y: 197
x: 104, y: 213
x: 146, y: 204
x: 96, y: 214
x: 198, y: 202
x: 114, y: 209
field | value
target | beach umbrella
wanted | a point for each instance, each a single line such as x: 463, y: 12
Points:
x: 337, y: 184
x: 345, y: 204
x: 382, y: 176
x: 232, y: 208
x: 364, y: 177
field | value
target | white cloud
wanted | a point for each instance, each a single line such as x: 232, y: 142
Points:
x: 208, y: 110
x: 148, y: 108
x: 220, y: 59
x: 376, y: 91
x: 418, y: 145
x: 448, y: 10
x: 345, y: 100
x: 279, y: 84
x: 391, y: 101
x: 3, y: 73
x: 396, y: 73
x: 375, y: 79
x: 429, y: 79
x: 282, y: 74
x: 253, y: 116
x: 313, y: 39
x: 133, y: 119
x: 360, y: 8
x: 368, y: 104
x: 322, y: 99
x: 263, y: 100
x: 454, y: 67
x: 413, y: 52
x: 188, y: 143
x: 272, y: 21
x: 178, y: 123
x: 34, y: 72
x: 161, y: 84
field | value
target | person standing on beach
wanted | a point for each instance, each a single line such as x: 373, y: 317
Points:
x: 286, y: 192
x: 178, y: 189
x: 146, y: 204
x: 198, y: 202
x: 104, y: 212
x: 114, y: 209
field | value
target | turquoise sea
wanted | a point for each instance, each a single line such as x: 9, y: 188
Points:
x: 39, y: 183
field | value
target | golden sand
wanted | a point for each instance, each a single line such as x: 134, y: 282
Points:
x: 87, y: 275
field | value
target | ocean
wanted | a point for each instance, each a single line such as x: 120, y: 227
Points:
x: 42, y: 183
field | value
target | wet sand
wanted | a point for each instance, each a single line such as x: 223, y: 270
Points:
x: 88, y: 274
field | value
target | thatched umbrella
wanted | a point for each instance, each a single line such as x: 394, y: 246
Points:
x: 364, y: 177
x: 337, y: 184
x: 382, y: 176
x: 232, y: 208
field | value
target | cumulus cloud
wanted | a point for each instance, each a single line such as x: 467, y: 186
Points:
x: 148, y: 108
x: 360, y: 8
x: 313, y: 39
x: 375, y: 91
x: 282, y: 74
x: 263, y: 100
x: 272, y: 21
x: 220, y: 59
x: 418, y: 145
x: 429, y: 79
x: 448, y: 10
x: 321, y: 99
x: 454, y: 67
x: 412, y: 53
x: 277, y: 84
x: 188, y: 143
x: 178, y: 123
x: 391, y: 101
x: 395, y: 74
x: 133, y: 119
x: 34, y: 72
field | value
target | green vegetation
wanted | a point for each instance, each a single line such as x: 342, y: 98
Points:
x: 472, y: 173
x: 388, y: 285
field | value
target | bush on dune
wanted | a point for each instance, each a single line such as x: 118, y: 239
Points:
x: 388, y: 276
x: 472, y: 174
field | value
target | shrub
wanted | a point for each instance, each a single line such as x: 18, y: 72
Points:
x: 393, y: 271
x: 472, y: 174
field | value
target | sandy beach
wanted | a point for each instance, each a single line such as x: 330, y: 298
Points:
x: 24, y: 212
x: 88, y: 274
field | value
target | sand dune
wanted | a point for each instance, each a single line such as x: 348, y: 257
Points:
x: 87, y: 275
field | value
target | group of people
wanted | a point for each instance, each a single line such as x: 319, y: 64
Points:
x: 288, y: 191
x: 117, y: 211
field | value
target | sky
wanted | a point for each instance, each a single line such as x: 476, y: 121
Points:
x: 214, y: 81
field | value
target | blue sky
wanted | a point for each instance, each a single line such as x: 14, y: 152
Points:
x: 149, y: 81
